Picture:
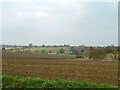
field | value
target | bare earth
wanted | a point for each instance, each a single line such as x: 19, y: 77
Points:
x: 72, y: 69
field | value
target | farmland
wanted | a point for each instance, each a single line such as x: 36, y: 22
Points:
x: 47, y: 49
x: 66, y: 67
x: 14, y: 55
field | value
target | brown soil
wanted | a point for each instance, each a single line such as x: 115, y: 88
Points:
x: 78, y: 70
x: 21, y: 55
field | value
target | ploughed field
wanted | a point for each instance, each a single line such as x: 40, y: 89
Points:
x: 64, y: 68
x: 20, y: 55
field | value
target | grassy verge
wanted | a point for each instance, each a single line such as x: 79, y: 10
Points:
x: 64, y: 55
x: 27, y: 82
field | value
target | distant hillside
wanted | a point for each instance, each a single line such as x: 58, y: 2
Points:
x: 9, y: 46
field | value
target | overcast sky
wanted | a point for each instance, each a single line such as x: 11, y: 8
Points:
x: 63, y: 22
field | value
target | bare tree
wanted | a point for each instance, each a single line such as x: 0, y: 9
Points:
x: 23, y: 49
x: 61, y: 51
x: 97, y: 53
x: 30, y: 46
x: 43, y: 51
x: 15, y: 47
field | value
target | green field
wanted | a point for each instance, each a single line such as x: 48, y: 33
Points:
x: 53, y: 49
x: 27, y: 82
x: 47, y: 49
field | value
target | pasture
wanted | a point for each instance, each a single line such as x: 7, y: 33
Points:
x: 47, y: 49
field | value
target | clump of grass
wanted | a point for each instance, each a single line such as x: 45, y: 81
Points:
x: 27, y: 82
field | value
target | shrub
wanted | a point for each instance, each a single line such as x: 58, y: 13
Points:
x: 36, y: 51
x: 97, y: 53
x: 79, y: 56
x: 26, y: 51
